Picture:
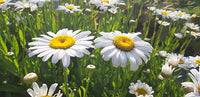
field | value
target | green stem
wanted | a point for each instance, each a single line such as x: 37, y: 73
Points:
x: 88, y: 80
x: 66, y: 73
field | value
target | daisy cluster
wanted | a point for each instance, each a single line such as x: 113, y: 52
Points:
x: 173, y: 60
x: 107, y: 5
x: 168, y: 15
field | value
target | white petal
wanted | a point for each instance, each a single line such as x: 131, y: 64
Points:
x: 55, y: 57
x: 43, y: 90
x: 66, y: 60
x: 82, y: 35
x: 109, y: 54
x: 45, y: 53
x: 31, y: 93
x: 99, y: 45
x: 141, y: 54
x: 38, y: 47
x: 47, y: 56
x: 51, y: 34
x: 38, y: 51
x: 86, y: 38
x: 133, y: 64
x: 38, y: 43
x: 36, y: 87
x: 116, y: 60
x: 61, y: 53
x: 137, y: 58
x: 75, y: 32
x: 106, y: 49
x: 123, y: 59
x: 46, y: 37
x: 52, y: 89
x: 41, y: 40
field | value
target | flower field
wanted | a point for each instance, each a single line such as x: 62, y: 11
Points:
x: 100, y: 48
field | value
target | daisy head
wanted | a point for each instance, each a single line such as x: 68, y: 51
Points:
x: 178, y: 35
x: 167, y: 70
x: 122, y: 47
x: 195, y: 60
x: 113, y: 10
x: 179, y: 15
x: 4, y: 5
x: 174, y: 59
x: 194, y: 75
x: 163, y: 13
x: 193, y: 26
x: 164, y: 23
x: 140, y: 89
x: 69, y: 8
x: 62, y: 45
x: 195, y: 34
x: 25, y: 5
x: 42, y: 91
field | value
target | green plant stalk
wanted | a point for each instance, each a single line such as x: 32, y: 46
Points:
x: 116, y: 82
x: 88, y: 81
x: 66, y: 73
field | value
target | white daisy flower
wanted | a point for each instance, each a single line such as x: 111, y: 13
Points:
x: 195, y: 34
x: 195, y: 61
x: 121, y: 47
x: 62, y: 45
x: 178, y: 35
x: 194, y: 75
x: 179, y: 15
x: 188, y: 63
x: 104, y: 4
x: 25, y: 5
x: 42, y: 91
x: 163, y: 13
x: 174, y: 59
x: 193, y: 26
x: 69, y: 8
x: 164, y: 23
x: 140, y: 89
x: 4, y: 5
x: 167, y: 70
x: 113, y: 10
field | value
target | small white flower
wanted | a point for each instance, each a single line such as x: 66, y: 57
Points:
x: 164, y: 23
x: 10, y: 54
x: 178, y: 35
x: 193, y: 34
x: 193, y: 26
x: 151, y: 8
x: 4, y: 5
x: 132, y: 21
x: 163, y: 53
x: 25, y: 5
x: 69, y: 8
x: 167, y: 70
x: 195, y: 61
x: 174, y: 59
x: 194, y: 75
x: 160, y: 77
x: 113, y: 10
x: 140, y: 89
x: 40, y: 2
x: 42, y: 91
x: 188, y: 63
x: 62, y: 45
x: 179, y: 15
x: 163, y: 13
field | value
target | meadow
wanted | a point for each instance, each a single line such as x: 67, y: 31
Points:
x: 99, y: 48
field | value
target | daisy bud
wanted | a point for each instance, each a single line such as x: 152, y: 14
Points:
x: 92, y: 56
x: 163, y: 53
x: 10, y: 54
x: 193, y: 16
x: 157, y: 19
x: 91, y: 67
x: 30, y: 78
x: 167, y: 70
x: 160, y: 77
x: 132, y: 21
x: 178, y: 35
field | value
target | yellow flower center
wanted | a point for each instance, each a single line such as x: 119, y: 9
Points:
x: 165, y: 12
x: 124, y: 43
x: 26, y: 6
x: 62, y: 42
x: 197, y: 61
x: 199, y: 89
x: 70, y: 7
x: 181, y: 61
x: 179, y: 14
x: 45, y: 96
x: 141, y: 92
x: 105, y: 1
x: 193, y: 33
x: 2, y: 1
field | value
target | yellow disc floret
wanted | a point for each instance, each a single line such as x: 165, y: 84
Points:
x: 2, y: 1
x: 46, y: 96
x: 180, y: 14
x: 141, y: 91
x: 105, y: 1
x: 70, y: 7
x: 165, y: 12
x: 62, y: 42
x: 181, y: 61
x: 124, y: 43
x: 197, y: 61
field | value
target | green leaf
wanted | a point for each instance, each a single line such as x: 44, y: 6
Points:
x: 22, y: 39
x: 3, y: 45
x: 15, y: 45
